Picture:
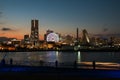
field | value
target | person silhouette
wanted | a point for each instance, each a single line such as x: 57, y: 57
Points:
x: 11, y: 61
x: 3, y: 61
x: 75, y: 64
x: 41, y: 62
x: 93, y: 64
x: 56, y: 63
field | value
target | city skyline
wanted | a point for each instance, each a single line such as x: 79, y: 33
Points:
x: 62, y: 16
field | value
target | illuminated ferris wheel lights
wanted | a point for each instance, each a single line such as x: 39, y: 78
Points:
x: 52, y: 37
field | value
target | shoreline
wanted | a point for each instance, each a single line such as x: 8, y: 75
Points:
x: 67, y: 50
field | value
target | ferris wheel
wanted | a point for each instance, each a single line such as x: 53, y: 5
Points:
x: 52, y: 37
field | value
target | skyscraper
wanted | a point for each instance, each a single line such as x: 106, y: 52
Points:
x: 26, y: 39
x: 34, y: 37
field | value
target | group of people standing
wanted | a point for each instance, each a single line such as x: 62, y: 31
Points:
x: 3, y: 62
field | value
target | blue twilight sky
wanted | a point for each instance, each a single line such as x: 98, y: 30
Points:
x: 62, y: 16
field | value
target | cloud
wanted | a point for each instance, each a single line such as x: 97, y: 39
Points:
x: 6, y: 29
x: 107, y: 35
x: 105, y: 29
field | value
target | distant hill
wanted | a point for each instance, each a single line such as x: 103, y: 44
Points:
x: 5, y: 39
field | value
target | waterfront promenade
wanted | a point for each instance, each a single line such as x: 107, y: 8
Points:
x: 29, y: 66
x: 9, y: 72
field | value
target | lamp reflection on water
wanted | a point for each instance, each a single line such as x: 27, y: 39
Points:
x: 57, y: 55
x: 79, y: 57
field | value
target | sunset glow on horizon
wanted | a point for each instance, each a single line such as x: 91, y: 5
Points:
x: 61, y: 16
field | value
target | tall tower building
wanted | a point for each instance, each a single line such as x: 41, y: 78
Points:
x: 34, y: 37
x: 77, y: 32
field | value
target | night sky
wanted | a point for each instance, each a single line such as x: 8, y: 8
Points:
x: 61, y: 16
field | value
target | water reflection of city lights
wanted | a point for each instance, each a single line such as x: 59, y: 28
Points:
x: 79, y: 56
x: 57, y: 55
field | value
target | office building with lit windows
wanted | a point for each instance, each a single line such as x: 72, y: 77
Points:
x: 34, y: 37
